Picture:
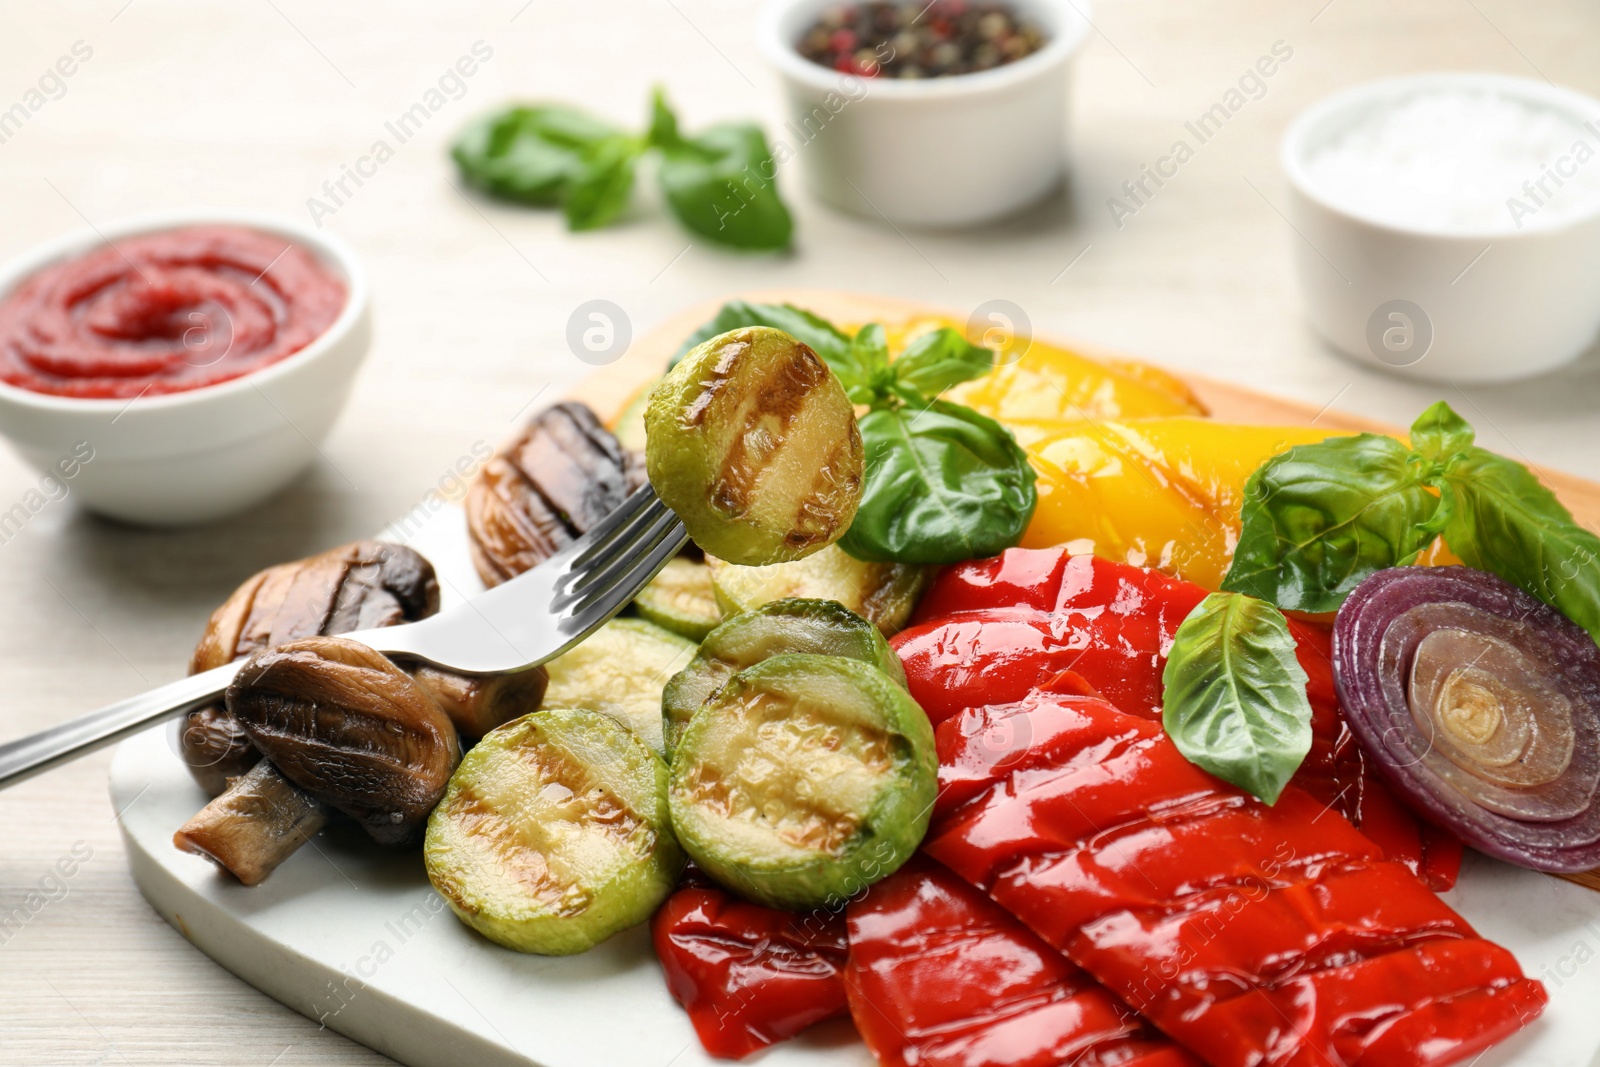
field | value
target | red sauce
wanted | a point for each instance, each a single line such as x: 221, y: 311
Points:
x: 165, y: 313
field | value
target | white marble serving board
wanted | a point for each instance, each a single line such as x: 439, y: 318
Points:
x: 353, y: 936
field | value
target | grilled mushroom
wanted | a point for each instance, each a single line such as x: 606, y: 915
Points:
x: 479, y: 703
x: 350, y: 728
x: 357, y: 586
x: 562, y: 474
x: 344, y: 730
x: 255, y: 825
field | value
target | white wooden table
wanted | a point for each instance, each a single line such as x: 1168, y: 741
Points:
x: 258, y: 103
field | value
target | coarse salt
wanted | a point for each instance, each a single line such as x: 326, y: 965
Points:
x: 1458, y: 159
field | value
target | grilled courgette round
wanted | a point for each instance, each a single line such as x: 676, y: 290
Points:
x: 554, y: 834
x: 752, y: 441
x: 681, y: 599
x: 620, y: 671
x: 822, y: 627
x: 806, y: 779
x: 884, y: 593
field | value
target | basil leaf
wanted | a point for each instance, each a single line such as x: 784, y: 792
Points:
x: 822, y: 336
x: 1507, y: 522
x: 529, y: 153
x: 722, y: 184
x: 1234, y: 696
x: 868, y: 378
x: 663, y: 131
x: 943, y: 484
x: 1440, y: 435
x: 939, y: 359
x: 1320, y: 518
x: 599, y: 191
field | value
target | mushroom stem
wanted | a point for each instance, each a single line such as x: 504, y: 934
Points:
x: 479, y: 703
x: 256, y: 824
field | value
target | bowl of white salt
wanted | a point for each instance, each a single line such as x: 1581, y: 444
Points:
x: 1447, y: 226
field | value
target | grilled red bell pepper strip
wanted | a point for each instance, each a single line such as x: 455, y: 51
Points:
x: 940, y: 976
x: 748, y: 975
x: 991, y: 631
x: 1254, y: 936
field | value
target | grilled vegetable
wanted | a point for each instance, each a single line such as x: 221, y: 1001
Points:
x: 353, y: 587
x: 629, y: 425
x: 1044, y: 620
x: 1481, y: 706
x: 752, y: 441
x: 681, y: 599
x: 1211, y: 914
x: 884, y: 593
x: 256, y: 824
x: 823, y: 627
x: 544, y: 489
x: 479, y: 703
x: 350, y: 728
x: 554, y: 835
x: 620, y: 670
x: 748, y: 976
x: 804, y: 780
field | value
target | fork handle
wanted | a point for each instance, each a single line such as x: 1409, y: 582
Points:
x: 28, y: 756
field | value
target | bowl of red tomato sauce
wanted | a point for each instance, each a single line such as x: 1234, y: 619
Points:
x: 177, y: 368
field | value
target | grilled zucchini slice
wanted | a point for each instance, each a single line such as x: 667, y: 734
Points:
x: 806, y: 779
x: 821, y: 627
x: 620, y: 671
x: 752, y: 441
x: 554, y: 834
x: 680, y: 599
x: 884, y: 593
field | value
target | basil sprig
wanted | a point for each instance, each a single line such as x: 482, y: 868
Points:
x: 1234, y: 695
x: 1320, y: 518
x: 721, y: 184
x: 943, y: 483
x: 817, y: 333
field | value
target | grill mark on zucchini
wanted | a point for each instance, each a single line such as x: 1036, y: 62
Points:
x: 766, y: 414
x: 523, y: 864
x: 786, y: 739
x: 696, y: 412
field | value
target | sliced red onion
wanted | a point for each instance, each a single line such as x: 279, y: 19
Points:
x: 1481, y: 706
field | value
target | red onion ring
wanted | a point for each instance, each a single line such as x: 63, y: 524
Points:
x: 1553, y: 825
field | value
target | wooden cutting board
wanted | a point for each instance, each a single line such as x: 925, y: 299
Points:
x: 354, y: 937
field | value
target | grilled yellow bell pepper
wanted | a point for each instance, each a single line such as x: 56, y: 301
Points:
x: 1049, y: 382
x: 1162, y: 493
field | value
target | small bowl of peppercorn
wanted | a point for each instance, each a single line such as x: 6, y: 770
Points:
x: 936, y: 114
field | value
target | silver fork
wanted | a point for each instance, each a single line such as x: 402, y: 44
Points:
x: 518, y: 624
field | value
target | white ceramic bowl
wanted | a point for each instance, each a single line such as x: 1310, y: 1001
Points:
x: 950, y: 151
x: 1403, y: 297
x: 198, y: 455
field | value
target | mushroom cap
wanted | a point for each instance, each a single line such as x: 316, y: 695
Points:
x: 356, y: 586
x: 349, y: 727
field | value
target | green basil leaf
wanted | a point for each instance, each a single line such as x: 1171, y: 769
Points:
x: 599, y: 191
x: 1318, y: 519
x: 1440, y: 435
x: 1234, y: 696
x: 722, y: 184
x: 943, y: 484
x: 1507, y: 522
x: 939, y: 359
x: 822, y: 336
x: 529, y: 153
x: 868, y: 378
x: 663, y: 123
